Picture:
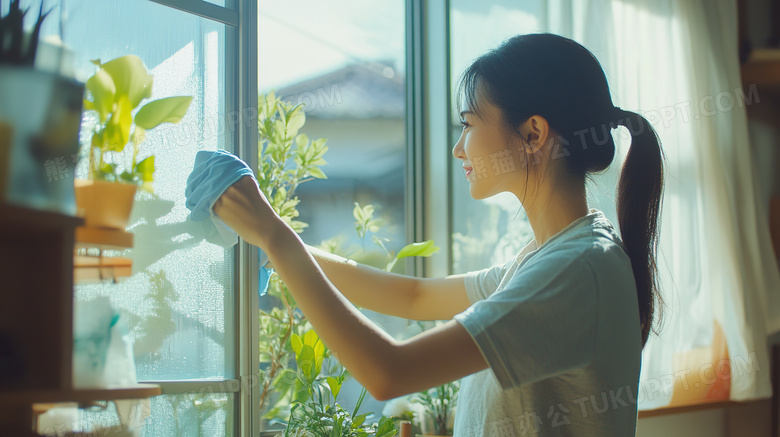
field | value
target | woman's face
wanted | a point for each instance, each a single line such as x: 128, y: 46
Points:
x: 489, y: 153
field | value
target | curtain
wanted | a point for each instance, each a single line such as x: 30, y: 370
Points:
x: 676, y: 63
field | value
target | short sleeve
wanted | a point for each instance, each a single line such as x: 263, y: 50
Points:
x: 543, y: 323
x: 482, y: 283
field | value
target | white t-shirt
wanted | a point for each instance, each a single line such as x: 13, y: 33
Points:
x: 559, y: 327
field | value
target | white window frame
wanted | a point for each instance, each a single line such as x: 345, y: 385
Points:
x: 429, y: 136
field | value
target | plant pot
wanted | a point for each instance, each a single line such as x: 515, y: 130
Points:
x: 104, y: 204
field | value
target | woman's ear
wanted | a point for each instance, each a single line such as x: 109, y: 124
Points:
x: 535, y: 132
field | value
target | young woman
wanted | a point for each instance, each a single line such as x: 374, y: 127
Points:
x: 549, y: 343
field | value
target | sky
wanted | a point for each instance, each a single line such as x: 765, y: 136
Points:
x: 299, y: 39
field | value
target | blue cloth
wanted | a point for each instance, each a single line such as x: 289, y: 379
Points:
x: 213, y: 173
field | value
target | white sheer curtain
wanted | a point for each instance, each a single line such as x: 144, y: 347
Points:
x: 676, y: 62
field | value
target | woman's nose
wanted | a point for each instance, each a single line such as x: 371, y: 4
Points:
x: 457, y: 149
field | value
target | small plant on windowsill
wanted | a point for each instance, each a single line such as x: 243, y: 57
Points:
x: 439, y: 403
x: 316, y: 411
x: 115, y: 92
x: 292, y: 394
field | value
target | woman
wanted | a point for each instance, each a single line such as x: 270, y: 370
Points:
x: 550, y: 342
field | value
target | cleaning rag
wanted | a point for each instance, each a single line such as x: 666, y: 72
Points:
x: 213, y: 173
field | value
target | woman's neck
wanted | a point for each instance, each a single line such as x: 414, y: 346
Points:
x: 554, y: 208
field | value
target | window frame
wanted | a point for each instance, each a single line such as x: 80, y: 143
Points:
x: 428, y: 170
x: 240, y: 92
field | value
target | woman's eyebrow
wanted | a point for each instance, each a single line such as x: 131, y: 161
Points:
x: 462, y: 113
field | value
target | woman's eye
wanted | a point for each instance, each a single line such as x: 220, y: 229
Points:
x: 464, y: 124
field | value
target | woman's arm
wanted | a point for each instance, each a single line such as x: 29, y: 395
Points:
x: 386, y: 367
x: 393, y: 294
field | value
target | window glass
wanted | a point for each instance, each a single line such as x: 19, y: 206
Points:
x: 490, y: 231
x: 189, y: 414
x: 177, y: 300
x: 225, y: 3
x: 344, y: 60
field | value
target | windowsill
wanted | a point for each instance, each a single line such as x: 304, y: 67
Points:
x: 677, y: 409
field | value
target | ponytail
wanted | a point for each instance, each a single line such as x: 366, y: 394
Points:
x: 640, y: 192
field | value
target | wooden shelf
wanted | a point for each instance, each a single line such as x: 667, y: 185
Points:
x: 101, y: 238
x: 14, y: 219
x: 95, y: 269
x: 677, y: 409
x: 763, y: 70
x: 28, y: 397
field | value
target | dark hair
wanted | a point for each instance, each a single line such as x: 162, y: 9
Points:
x: 557, y: 78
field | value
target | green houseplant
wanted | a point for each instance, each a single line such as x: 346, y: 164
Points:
x: 439, y: 403
x: 116, y: 90
x: 293, y: 392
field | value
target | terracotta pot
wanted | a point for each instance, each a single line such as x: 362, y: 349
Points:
x: 105, y: 204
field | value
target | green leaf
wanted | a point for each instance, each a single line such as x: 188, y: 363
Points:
x: 296, y: 121
x: 301, y: 141
x: 358, y: 420
x: 303, y: 395
x: 357, y: 212
x: 297, y: 344
x: 131, y: 78
x: 319, y: 143
x: 167, y: 110
x: 426, y: 249
x: 306, y: 363
x: 310, y: 338
x: 386, y: 428
x: 145, y: 169
x: 335, y: 386
x: 103, y: 91
x: 127, y: 176
x: 317, y: 173
x: 138, y: 136
x: 118, y: 127
x: 319, y: 357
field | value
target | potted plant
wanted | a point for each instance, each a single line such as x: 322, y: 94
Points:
x: 439, y: 404
x: 116, y: 90
x: 294, y: 393
x: 40, y: 114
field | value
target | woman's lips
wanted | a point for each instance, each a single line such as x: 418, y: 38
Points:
x: 468, y: 170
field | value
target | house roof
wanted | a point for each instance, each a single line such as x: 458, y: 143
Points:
x: 356, y: 91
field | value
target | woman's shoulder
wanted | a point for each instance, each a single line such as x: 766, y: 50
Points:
x: 597, y: 248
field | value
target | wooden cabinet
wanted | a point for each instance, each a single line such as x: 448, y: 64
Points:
x: 36, y: 318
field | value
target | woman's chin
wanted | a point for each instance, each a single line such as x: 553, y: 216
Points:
x: 479, y: 194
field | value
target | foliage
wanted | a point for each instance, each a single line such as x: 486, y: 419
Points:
x: 16, y: 48
x: 438, y: 403
x: 294, y: 384
x: 316, y: 411
x: 287, y: 158
x: 117, y: 89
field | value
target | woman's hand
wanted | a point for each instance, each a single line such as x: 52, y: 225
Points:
x: 246, y: 210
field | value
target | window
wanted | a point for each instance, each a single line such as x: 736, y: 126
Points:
x: 345, y: 62
x: 180, y: 303
x: 490, y: 231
